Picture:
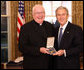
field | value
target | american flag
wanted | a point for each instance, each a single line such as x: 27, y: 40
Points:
x: 21, y: 17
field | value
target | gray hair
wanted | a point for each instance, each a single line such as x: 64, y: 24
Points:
x: 61, y: 7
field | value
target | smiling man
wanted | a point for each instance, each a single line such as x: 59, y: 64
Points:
x: 33, y: 38
x: 38, y: 13
x: 68, y: 43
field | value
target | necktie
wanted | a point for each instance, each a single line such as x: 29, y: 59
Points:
x: 60, y: 36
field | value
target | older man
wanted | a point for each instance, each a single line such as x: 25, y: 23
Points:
x: 69, y: 42
x: 33, y: 38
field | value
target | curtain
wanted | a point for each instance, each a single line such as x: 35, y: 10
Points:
x: 77, y: 13
x: 14, y: 10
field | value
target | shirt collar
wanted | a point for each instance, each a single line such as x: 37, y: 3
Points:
x: 38, y: 23
x: 64, y: 26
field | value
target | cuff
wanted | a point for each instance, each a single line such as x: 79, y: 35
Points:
x: 64, y: 53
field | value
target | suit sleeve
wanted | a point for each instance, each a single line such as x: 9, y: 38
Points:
x: 77, y: 43
x: 24, y: 45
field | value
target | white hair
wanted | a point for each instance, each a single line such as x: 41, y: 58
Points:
x: 37, y: 5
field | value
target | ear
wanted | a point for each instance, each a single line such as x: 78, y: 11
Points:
x: 68, y: 15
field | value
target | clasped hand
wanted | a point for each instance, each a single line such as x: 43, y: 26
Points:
x: 45, y: 51
x: 59, y: 53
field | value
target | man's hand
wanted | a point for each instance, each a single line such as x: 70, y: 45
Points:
x: 44, y: 50
x: 59, y: 53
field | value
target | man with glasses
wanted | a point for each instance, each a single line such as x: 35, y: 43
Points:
x: 33, y: 38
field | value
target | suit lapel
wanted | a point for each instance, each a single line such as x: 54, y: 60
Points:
x: 65, y: 35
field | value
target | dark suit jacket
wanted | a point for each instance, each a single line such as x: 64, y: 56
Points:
x: 72, y: 42
x: 32, y: 37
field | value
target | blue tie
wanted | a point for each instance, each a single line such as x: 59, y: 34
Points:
x: 60, y: 36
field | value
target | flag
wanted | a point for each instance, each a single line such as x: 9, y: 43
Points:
x: 21, y: 17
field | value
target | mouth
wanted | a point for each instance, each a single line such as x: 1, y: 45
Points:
x: 61, y: 20
x: 40, y: 17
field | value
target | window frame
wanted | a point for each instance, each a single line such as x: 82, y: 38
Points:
x: 8, y: 15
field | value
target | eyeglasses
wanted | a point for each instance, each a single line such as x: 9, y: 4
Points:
x: 39, y: 13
